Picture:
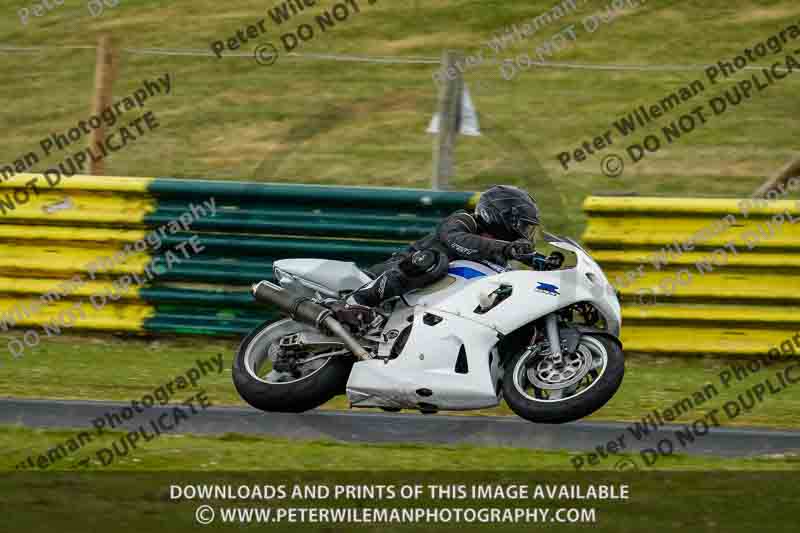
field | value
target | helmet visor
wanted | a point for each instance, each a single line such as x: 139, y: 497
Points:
x: 529, y: 229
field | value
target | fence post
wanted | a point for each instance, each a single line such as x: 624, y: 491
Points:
x: 104, y: 75
x: 450, y: 94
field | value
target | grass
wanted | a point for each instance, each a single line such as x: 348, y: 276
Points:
x: 306, y: 120
x: 312, y: 121
x: 240, y: 453
x: 104, y: 367
x: 137, y: 491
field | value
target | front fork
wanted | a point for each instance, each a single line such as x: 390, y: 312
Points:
x: 551, y: 323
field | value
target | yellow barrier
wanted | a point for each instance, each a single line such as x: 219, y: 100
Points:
x: 701, y: 276
x: 65, y: 245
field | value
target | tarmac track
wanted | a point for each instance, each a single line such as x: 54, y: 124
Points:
x: 403, y: 428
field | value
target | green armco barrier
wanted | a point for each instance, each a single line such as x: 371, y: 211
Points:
x: 239, y: 247
x: 309, y: 222
x: 215, y: 298
x: 366, y: 198
x: 208, y: 292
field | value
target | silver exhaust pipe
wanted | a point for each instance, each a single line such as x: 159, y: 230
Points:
x: 307, y: 311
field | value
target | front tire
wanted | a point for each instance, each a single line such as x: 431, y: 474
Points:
x: 319, y: 386
x: 521, y: 397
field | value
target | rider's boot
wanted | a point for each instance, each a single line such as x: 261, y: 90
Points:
x: 358, y: 311
x: 359, y: 318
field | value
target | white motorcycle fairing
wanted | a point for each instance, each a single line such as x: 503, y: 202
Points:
x: 536, y: 294
x: 450, y: 359
x: 326, y: 276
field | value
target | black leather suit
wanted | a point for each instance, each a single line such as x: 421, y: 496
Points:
x: 459, y: 236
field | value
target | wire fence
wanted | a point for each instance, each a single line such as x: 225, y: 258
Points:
x: 354, y: 119
x: 194, y: 52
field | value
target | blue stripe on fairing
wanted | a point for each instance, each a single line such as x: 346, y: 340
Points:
x: 466, y: 272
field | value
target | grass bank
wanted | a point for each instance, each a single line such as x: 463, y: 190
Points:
x: 320, y: 121
x: 104, y: 367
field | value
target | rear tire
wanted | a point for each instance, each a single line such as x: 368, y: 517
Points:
x: 305, y: 393
x: 574, y: 408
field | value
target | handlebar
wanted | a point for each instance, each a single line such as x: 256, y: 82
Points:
x: 542, y: 262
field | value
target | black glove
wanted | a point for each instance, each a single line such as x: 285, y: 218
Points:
x: 518, y: 249
x: 551, y: 262
x: 554, y: 260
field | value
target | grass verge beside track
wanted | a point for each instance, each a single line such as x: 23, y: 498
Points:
x: 104, y: 367
x: 245, y: 453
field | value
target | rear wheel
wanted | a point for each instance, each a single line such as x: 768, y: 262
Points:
x: 269, y: 380
x: 540, y: 391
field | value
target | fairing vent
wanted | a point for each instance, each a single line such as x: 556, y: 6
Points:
x: 462, y: 367
x: 400, y: 343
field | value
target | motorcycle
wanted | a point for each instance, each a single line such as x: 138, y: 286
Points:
x: 541, y: 334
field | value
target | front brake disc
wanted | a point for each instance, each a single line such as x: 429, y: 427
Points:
x: 546, y: 375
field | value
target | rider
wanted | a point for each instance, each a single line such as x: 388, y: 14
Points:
x: 501, y: 228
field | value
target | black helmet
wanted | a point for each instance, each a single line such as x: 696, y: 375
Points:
x: 508, y: 213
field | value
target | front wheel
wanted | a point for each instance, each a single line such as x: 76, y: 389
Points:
x: 267, y: 381
x: 539, y: 391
